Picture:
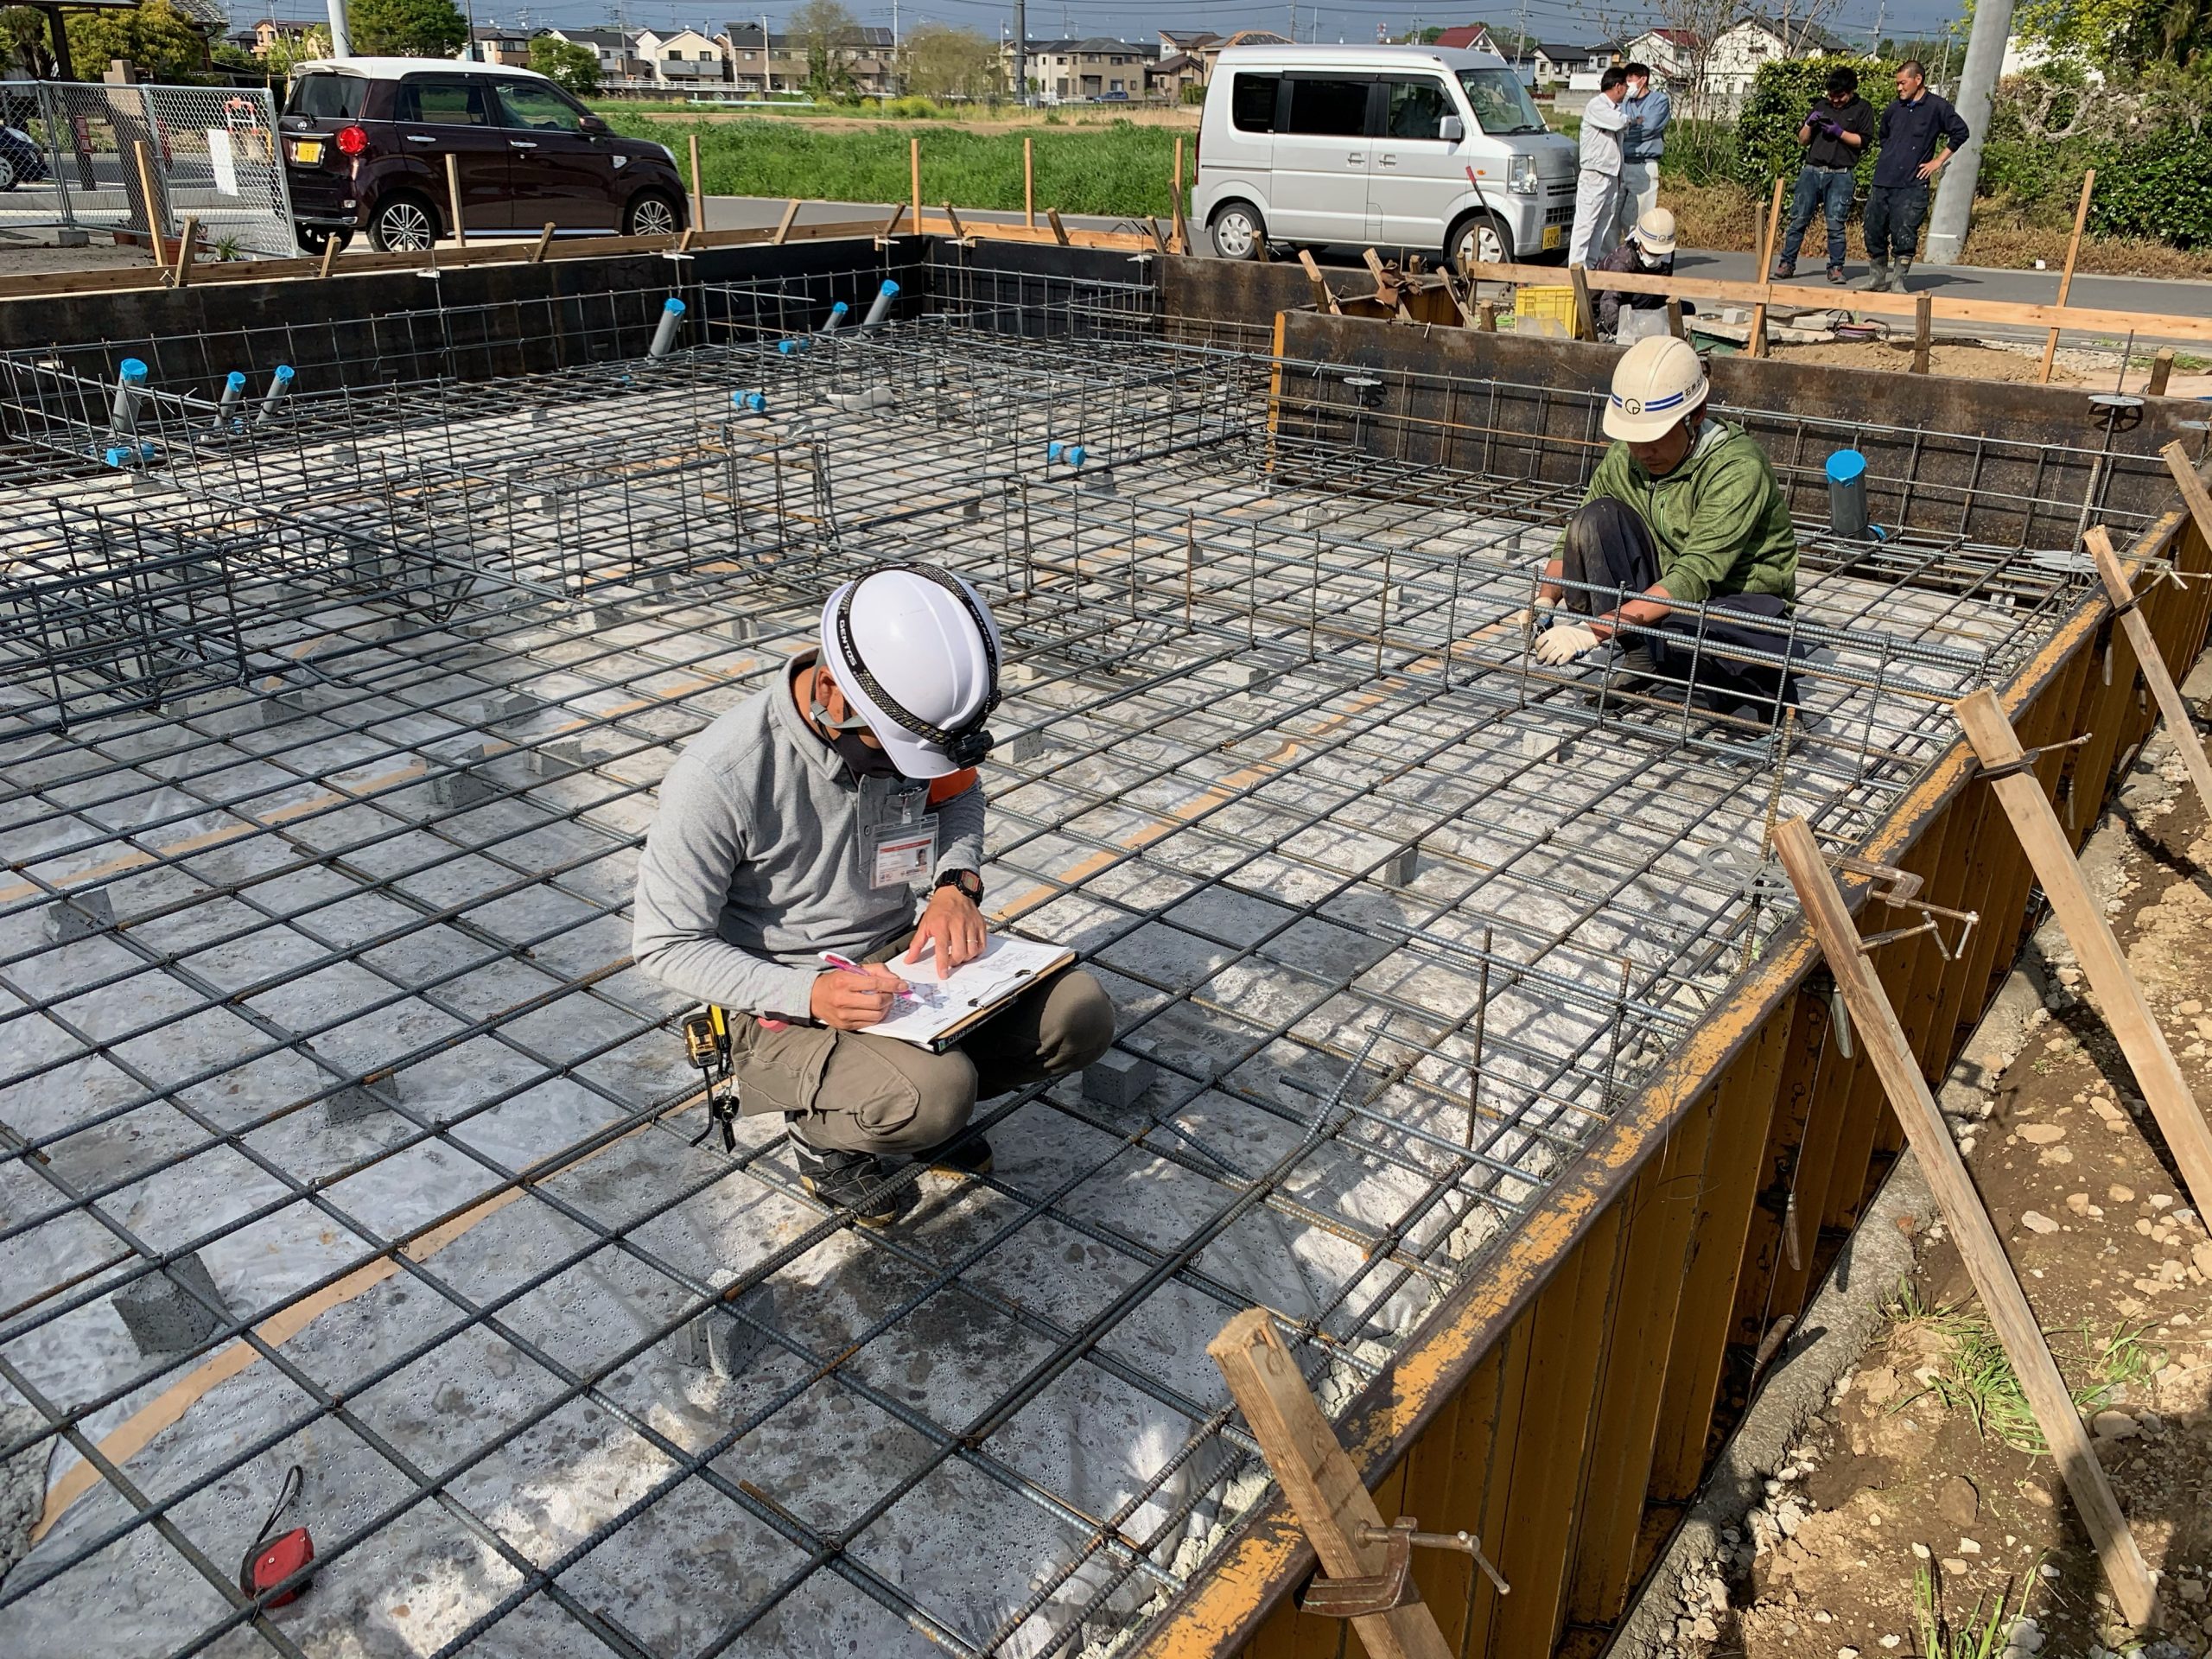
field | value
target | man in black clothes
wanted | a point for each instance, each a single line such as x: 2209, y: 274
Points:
x: 1908, y: 163
x: 1835, y: 132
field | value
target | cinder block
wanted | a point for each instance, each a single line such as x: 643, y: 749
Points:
x: 80, y: 916
x: 1397, y: 870
x: 162, y: 1313
x: 1117, y: 1079
x: 727, y: 1338
x: 1019, y: 674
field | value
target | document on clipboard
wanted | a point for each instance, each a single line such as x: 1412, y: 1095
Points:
x: 935, y: 1013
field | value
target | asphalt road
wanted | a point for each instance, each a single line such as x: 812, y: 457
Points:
x: 2154, y: 296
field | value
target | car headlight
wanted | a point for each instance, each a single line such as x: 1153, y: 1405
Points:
x: 1520, y: 176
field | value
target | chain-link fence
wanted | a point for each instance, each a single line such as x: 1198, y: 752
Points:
x: 87, y: 155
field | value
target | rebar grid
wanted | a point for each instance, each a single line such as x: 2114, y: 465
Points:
x: 316, y: 968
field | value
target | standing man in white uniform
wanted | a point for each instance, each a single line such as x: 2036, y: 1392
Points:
x: 1597, y: 187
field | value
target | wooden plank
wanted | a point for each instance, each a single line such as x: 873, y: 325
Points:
x: 1029, y: 182
x: 1060, y: 230
x: 784, y: 224
x: 1924, y: 331
x: 156, y: 210
x: 1175, y: 198
x: 698, y: 187
x: 1501, y: 1441
x: 1586, y: 319
x: 544, y: 242
x: 914, y: 161
x: 2150, y: 664
x: 2066, y: 277
x: 2191, y: 484
x: 1317, y: 1479
x: 2161, y: 369
x: 1978, y: 1244
x: 2118, y: 996
x: 453, y: 200
x: 329, y: 253
x: 188, y: 250
x: 1757, y: 343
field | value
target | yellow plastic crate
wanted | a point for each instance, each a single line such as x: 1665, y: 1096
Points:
x: 1545, y: 305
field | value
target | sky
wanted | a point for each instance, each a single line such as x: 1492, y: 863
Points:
x: 1570, y: 21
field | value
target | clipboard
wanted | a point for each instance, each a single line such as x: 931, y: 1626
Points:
x: 941, y: 1012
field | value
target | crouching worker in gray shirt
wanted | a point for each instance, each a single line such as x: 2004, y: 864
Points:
x: 795, y: 828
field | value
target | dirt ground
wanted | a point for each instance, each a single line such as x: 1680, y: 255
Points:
x: 24, y: 256
x: 1906, y: 1496
x: 1966, y: 361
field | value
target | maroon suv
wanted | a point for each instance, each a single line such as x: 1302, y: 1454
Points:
x: 365, y: 142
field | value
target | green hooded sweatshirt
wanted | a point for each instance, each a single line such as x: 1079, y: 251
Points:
x: 1717, y: 520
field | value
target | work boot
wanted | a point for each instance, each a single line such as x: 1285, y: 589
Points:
x: 1835, y: 275
x: 1899, y: 270
x: 844, y: 1180
x: 1784, y: 271
x: 1878, y: 277
x: 958, y: 1156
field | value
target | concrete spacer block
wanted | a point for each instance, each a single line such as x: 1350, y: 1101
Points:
x: 741, y: 630
x: 80, y: 917
x: 508, y: 706
x: 70, y: 237
x: 1117, y: 1079
x: 1397, y: 870
x: 1252, y: 678
x: 162, y: 1314
x: 717, y: 1340
x: 1540, y: 746
x: 1025, y: 748
x: 377, y: 1093
x: 462, y: 788
x: 561, y: 756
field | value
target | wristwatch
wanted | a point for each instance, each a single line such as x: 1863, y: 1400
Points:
x: 969, y: 883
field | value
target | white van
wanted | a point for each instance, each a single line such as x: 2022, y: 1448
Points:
x: 1413, y: 147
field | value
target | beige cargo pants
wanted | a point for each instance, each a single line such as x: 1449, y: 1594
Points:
x: 854, y: 1093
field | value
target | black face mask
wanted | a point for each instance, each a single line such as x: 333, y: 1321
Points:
x: 861, y: 758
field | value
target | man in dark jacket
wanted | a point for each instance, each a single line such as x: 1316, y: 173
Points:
x: 1835, y: 132
x: 1909, y: 163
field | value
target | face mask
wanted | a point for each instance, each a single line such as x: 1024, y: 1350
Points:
x: 861, y: 759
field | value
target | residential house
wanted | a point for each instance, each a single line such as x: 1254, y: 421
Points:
x: 1184, y: 42
x: 1066, y: 71
x: 782, y: 63
x: 620, y: 68
x: 508, y: 47
x: 1210, y: 50
x: 1671, y: 54
x: 270, y: 32
x: 1556, y: 63
x: 684, y: 59
x: 1471, y: 37
x: 1739, y: 50
x: 1165, y: 79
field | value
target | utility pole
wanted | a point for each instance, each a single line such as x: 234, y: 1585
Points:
x: 1021, y: 52
x: 341, y: 42
x: 1947, y: 220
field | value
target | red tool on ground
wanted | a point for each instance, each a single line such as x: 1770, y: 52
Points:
x: 272, y: 1561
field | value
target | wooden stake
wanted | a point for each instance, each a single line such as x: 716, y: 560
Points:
x: 1586, y: 319
x: 2152, y: 663
x: 699, y: 189
x: 453, y: 200
x: 157, y: 214
x: 1874, y: 1021
x: 187, y: 249
x: 784, y: 225
x: 1675, y: 325
x: 329, y: 253
x: 2192, y: 489
x: 2066, y: 276
x: 1923, y: 332
x: 1029, y: 181
x: 1755, y: 346
x: 1060, y: 230
x: 914, y: 165
x: 1487, y: 310
x: 2118, y: 997
x: 891, y: 224
x: 1324, y: 298
x: 2162, y: 368
x: 1159, y: 236
x: 952, y: 218
x: 544, y: 241
x: 1175, y: 186
x: 1318, y: 1480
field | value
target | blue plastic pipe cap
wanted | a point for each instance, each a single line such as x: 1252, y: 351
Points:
x: 839, y: 309
x: 1053, y: 451
x: 1846, y: 465
x: 115, y: 456
x: 756, y: 403
x: 133, y: 370
x: 673, y: 306
x: 1075, y: 455
x: 284, y: 373
x: 888, y: 289
x: 235, y: 381
x: 147, y: 452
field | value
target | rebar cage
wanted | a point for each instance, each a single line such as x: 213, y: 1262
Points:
x: 341, y: 1131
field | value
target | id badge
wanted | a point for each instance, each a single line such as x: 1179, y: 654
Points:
x: 904, y: 854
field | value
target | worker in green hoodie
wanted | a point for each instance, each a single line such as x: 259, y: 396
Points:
x: 1681, y: 562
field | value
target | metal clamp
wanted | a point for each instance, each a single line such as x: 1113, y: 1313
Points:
x: 2029, y: 756
x: 1899, y: 891
x: 1378, y: 1593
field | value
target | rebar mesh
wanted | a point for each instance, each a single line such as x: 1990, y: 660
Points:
x: 321, y: 1035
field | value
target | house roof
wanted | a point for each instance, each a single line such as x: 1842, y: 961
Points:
x: 1098, y: 45
x: 1801, y: 34
x: 610, y: 40
x: 1188, y: 37
x: 1559, y: 51
x: 1463, y: 35
x: 1177, y: 64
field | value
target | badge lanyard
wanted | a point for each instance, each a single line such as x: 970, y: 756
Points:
x: 898, y: 836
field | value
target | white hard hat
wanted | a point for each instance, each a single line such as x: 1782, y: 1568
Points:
x: 1655, y: 232
x: 1657, y: 384
x: 915, y: 651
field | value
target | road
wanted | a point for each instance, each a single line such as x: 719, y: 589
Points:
x: 2154, y: 295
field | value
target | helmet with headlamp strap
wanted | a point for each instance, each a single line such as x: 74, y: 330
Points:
x: 916, y: 652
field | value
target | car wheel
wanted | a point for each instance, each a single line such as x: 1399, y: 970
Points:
x: 1237, y: 231
x: 1479, y: 239
x: 403, y: 224
x: 8, y: 177
x: 651, y: 216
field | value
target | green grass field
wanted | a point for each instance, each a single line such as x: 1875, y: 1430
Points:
x: 1120, y: 170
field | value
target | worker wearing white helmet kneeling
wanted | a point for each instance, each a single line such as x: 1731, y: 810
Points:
x: 795, y: 830
x: 1681, y: 564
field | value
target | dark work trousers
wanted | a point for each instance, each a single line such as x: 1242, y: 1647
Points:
x: 1609, y: 547
x: 1826, y: 190
x: 1892, y: 223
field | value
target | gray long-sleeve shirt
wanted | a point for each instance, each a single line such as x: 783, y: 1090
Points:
x: 756, y: 862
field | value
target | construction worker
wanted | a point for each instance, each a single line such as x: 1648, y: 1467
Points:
x: 1598, y: 186
x: 1682, y: 512
x: 792, y: 834
x: 1648, y: 251
x: 1904, y: 168
x: 1835, y: 132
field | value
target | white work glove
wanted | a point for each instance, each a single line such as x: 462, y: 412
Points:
x: 1563, y: 642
